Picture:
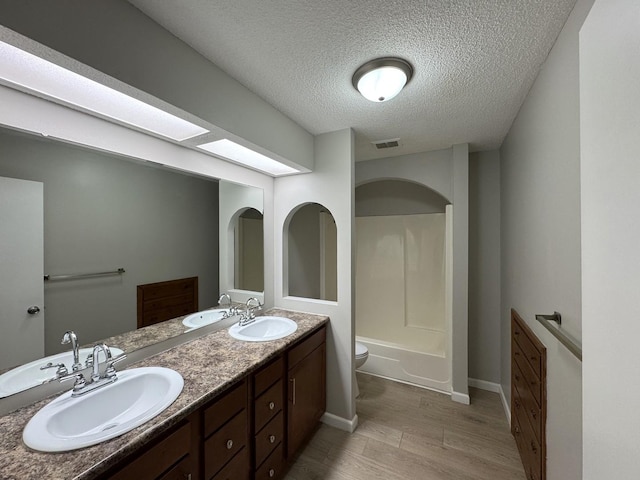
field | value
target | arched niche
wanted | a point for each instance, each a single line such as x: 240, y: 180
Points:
x: 246, y: 234
x: 310, y: 253
x: 397, y: 197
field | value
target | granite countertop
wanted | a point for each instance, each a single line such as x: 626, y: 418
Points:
x: 208, y: 365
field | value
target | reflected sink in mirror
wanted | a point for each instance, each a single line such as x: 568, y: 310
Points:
x: 69, y: 423
x: 206, y: 317
x: 29, y: 375
x: 264, y: 329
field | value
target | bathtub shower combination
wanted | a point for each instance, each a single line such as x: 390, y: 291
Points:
x: 403, y: 312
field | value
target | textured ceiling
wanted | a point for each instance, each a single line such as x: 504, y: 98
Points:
x: 474, y: 61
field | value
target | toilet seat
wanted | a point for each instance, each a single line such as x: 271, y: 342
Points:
x: 361, y: 350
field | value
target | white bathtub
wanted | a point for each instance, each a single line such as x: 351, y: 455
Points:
x: 398, y: 363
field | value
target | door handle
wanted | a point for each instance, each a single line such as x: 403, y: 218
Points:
x: 33, y: 310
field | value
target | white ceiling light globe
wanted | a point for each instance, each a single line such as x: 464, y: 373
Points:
x: 382, y: 84
x: 382, y: 79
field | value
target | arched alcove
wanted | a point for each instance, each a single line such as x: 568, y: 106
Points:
x: 246, y: 234
x: 310, y: 253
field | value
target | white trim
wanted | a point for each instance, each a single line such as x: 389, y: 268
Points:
x: 505, y: 404
x: 339, y: 422
x: 462, y: 398
x: 496, y: 388
x: 484, y: 385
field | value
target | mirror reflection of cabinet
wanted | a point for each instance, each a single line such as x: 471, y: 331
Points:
x: 312, y: 258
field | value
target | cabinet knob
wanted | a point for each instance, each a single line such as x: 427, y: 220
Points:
x: 272, y: 473
x: 229, y: 444
x: 272, y: 439
x: 533, y: 448
x: 272, y: 405
x: 517, y: 429
x: 533, y: 413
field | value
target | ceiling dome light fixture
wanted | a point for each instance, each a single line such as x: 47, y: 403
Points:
x: 382, y: 79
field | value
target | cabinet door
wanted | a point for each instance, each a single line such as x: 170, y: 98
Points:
x: 306, y: 396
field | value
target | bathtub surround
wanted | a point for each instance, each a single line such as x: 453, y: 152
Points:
x: 446, y: 172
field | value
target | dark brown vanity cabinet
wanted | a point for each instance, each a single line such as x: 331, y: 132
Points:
x: 249, y: 431
x: 168, y: 458
x: 306, y: 364
x: 226, y: 436
x: 268, y: 419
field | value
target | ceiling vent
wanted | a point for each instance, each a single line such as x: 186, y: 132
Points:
x: 380, y: 144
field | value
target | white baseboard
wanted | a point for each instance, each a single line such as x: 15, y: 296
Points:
x: 462, y: 398
x: 484, y: 385
x: 339, y: 422
x: 496, y: 388
x: 505, y: 405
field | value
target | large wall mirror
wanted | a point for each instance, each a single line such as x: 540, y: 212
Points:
x: 311, y: 253
x: 103, y: 212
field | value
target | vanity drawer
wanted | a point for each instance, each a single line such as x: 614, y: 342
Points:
x: 527, y: 410
x: 268, y: 405
x: 236, y: 469
x: 529, y: 448
x: 526, y: 378
x: 267, y: 376
x: 526, y: 349
x: 226, y: 407
x: 273, y: 467
x: 159, y: 458
x: 225, y: 443
x: 268, y: 438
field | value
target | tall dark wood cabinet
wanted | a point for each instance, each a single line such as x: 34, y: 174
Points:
x: 529, y: 397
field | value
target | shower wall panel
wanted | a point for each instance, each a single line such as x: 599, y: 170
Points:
x: 400, y: 281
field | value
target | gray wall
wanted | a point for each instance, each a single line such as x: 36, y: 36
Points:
x: 304, y: 252
x: 117, y: 39
x: 395, y: 197
x: 484, y: 266
x: 101, y: 213
x: 540, y: 236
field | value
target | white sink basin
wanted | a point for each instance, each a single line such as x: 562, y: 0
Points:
x: 29, y: 375
x: 206, y: 317
x: 264, y: 329
x: 136, y: 397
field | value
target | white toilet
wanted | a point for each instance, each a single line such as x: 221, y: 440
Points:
x: 362, y: 353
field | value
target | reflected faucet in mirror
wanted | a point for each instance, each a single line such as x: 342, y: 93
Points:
x: 70, y: 337
x: 233, y: 310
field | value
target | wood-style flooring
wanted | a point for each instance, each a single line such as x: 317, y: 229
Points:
x: 411, y: 433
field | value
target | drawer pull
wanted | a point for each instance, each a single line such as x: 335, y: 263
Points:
x: 272, y: 405
x: 517, y: 354
x: 533, y: 448
x: 272, y: 473
x: 533, y: 413
x: 517, y: 402
x: 229, y: 444
x: 534, y: 358
x: 517, y: 377
x: 272, y: 439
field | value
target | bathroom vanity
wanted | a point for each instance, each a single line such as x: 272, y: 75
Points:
x: 245, y: 410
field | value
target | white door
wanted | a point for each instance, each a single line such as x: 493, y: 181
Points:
x: 21, y: 271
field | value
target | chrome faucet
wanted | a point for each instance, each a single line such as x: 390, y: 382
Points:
x: 249, y: 315
x: 70, y: 337
x: 233, y: 310
x: 97, y: 380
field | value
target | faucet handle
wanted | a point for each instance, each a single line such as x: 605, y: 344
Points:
x: 79, y: 380
x: 60, y: 372
x: 110, y: 366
